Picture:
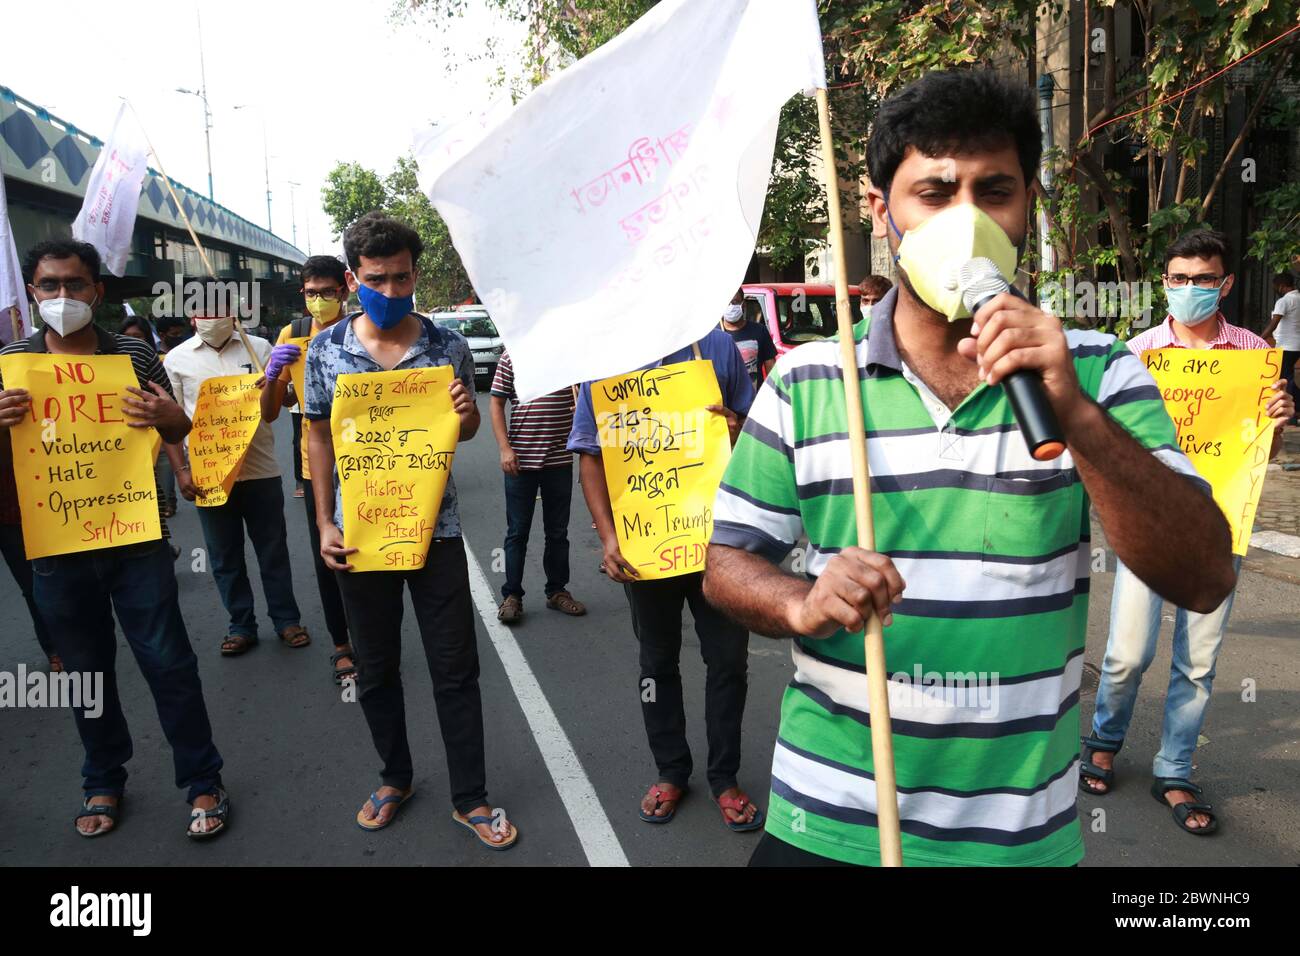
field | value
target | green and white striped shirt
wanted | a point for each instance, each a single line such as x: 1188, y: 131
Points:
x: 986, y: 649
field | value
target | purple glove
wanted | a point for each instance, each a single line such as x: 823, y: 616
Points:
x: 282, y: 356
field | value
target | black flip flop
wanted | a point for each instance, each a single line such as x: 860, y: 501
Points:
x: 341, y: 675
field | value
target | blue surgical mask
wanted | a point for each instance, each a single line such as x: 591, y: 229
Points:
x: 383, y: 311
x: 1192, y: 305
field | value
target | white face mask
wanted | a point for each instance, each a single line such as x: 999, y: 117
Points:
x: 733, y: 313
x: 215, y: 332
x: 65, y: 316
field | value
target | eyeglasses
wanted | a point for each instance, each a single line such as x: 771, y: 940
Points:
x: 312, y: 294
x: 71, y: 286
x: 1206, y: 280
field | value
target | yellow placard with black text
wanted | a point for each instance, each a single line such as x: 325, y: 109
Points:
x: 84, y: 476
x: 227, y: 414
x: 395, y: 436
x: 663, y: 457
x: 1218, y: 399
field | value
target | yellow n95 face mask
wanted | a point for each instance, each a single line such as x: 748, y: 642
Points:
x: 933, y: 253
x: 323, y: 310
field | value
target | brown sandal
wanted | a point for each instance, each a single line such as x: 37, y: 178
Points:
x: 236, y: 644
x: 564, y: 601
x: 295, y: 635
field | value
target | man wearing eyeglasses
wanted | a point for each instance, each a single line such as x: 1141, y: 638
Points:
x: 1196, y: 280
x: 325, y: 292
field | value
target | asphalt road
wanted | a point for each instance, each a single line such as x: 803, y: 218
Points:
x: 566, y: 751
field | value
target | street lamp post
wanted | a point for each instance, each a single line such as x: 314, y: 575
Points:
x: 266, y: 161
x: 293, y: 208
x: 202, y: 93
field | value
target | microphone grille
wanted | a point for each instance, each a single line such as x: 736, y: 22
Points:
x: 978, y: 279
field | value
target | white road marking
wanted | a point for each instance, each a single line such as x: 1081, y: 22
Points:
x: 599, y: 842
x: 1277, y: 542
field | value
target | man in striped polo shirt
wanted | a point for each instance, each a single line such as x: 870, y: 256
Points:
x: 980, y: 573
x: 1197, y: 279
x: 536, y: 461
x: 79, y: 593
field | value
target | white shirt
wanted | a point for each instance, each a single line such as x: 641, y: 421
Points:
x: 192, y: 362
x: 1287, y: 333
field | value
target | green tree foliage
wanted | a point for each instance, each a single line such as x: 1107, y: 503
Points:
x: 351, y: 191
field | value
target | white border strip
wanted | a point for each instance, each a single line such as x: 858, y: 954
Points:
x: 599, y: 842
x: 1277, y: 542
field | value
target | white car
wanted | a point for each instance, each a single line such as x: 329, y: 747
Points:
x: 481, y: 333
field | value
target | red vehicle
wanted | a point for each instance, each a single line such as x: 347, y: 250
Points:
x: 796, y: 312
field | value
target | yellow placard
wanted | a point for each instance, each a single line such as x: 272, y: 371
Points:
x: 226, y: 416
x: 298, y: 369
x: 663, y: 456
x: 85, y: 477
x: 395, y: 434
x: 1218, y: 400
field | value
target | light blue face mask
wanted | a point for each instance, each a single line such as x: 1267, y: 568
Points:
x: 1192, y: 305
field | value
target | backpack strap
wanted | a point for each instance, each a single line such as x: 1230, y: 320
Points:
x: 300, y: 326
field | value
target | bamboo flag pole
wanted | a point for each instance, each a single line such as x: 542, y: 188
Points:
x: 207, y: 264
x: 16, y: 321
x: 882, y: 739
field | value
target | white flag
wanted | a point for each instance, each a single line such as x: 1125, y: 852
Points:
x: 13, y: 292
x: 607, y: 219
x: 107, y: 216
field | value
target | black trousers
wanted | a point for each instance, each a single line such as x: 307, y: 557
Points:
x: 656, y: 608
x: 1289, y: 362
x: 297, y: 447
x: 445, y: 614
x: 327, y: 585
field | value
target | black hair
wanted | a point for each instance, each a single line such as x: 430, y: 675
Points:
x: 62, y: 249
x: 140, y: 322
x: 954, y: 112
x: 375, y: 235
x: 322, y: 267
x: 1285, y: 279
x: 1200, y: 244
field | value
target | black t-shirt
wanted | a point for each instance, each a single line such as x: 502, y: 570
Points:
x: 756, y: 348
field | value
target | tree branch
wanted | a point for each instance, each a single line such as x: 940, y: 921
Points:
x: 1283, y: 59
x: 1118, y: 221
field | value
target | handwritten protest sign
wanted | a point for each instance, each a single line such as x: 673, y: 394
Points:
x: 395, y: 434
x: 85, y: 478
x: 1218, y: 400
x: 226, y: 416
x: 663, y: 457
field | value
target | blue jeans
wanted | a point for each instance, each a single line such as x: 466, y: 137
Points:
x: 556, y: 487
x: 1134, y: 629
x: 78, y: 594
x: 259, y: 504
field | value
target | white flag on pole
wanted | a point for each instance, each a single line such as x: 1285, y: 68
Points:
x: 107, y: 216
x: 13, y: 291
x: 609, y: 217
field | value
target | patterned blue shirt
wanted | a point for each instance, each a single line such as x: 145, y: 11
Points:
x: 327, y: 360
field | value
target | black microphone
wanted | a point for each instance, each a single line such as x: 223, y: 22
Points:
x: 981, y: 281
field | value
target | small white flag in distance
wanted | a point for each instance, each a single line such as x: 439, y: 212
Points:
x: 107, y: 216
x: 607, y: 219
x: 13, y: 291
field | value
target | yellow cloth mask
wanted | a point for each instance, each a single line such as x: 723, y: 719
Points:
x: 933, y: 252
x: 324, y: 311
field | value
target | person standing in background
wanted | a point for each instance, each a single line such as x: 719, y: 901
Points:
x: 325, y: 292
x: 1285, y: 325
x: 536, y: 463
x: 751, y: 338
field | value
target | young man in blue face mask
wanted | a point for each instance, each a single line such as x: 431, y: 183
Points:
x: 388, y: 334
x: 1196, y: 279
x: 980, y: 566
